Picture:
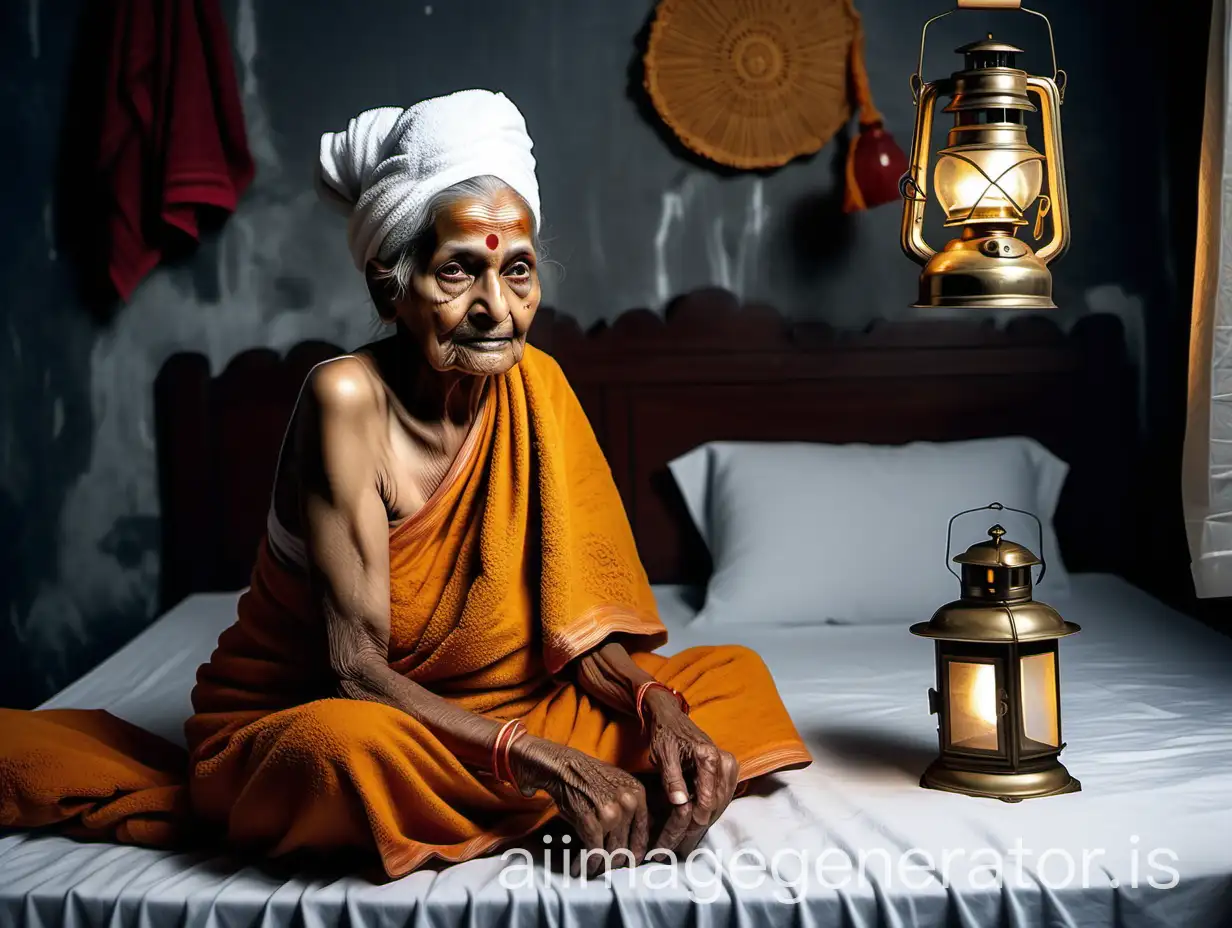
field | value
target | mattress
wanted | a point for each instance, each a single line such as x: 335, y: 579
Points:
x: 851, y: 840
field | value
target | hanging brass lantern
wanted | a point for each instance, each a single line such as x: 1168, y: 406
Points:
x: 987, y: 178
x: 998, y: 695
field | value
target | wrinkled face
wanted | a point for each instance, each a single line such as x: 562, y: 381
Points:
x: 471, y: 302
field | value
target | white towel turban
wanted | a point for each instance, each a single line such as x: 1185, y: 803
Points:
x: 389, y: 163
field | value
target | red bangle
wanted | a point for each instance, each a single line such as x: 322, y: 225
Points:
x: 508, y: 734
x: 518, y: 731
x: 641, y: 698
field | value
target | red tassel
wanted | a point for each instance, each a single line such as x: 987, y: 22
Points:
x: 874, y: 161
x: 874, y: 165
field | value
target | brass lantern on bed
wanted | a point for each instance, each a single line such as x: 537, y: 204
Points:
x: 998, y: 696
x: 987, y: 178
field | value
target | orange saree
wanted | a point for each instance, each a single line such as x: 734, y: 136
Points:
x: 521, y: 561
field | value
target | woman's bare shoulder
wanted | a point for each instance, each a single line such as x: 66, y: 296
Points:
x: 340, y: 406
x: 346, y: 386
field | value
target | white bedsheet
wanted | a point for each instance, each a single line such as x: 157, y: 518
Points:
x: 1147, y: 716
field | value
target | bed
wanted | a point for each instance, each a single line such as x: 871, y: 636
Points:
x: 853, y: 839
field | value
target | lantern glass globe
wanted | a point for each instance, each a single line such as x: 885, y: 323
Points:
x: 988, y: 185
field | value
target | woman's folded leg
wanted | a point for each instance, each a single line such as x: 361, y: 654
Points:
x: 732, y: 698
x: 340, y: 774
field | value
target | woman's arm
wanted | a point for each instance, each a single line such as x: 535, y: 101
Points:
x: 346, y: 530
x: 609, y: 675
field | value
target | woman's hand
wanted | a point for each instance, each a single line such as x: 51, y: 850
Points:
x: 678, y: 747
x: 605, y: 805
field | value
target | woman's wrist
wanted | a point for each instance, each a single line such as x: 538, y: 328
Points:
x: 659, y: 702
x: 531, y: 762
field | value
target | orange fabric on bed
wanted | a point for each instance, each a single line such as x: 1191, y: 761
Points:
x: 94, y: 774
x: 520, y: 562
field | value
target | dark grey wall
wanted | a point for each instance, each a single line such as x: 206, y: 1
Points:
x: 631, y: 219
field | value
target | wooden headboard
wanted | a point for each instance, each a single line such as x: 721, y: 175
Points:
x: 714, y: 369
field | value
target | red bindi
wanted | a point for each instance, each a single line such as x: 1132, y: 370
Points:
x: 492, y: 241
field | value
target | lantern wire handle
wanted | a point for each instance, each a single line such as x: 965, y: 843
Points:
x: 998, y: 507
x: 1059, y: 77
x: 917, y: 80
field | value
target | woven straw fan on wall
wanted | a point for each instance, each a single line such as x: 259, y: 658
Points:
x: 753, y: 84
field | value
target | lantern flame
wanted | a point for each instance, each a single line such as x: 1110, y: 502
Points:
x: 982, y: 697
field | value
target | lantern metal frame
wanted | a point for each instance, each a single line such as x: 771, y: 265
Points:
x: 997, y: 629
x: 988, y: 267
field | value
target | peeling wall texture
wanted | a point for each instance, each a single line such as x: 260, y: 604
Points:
x: 630, y: 220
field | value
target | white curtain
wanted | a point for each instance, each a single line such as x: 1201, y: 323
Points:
x: 1208, y: 436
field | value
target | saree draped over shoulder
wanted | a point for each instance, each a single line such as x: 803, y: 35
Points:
x: 521, y: 561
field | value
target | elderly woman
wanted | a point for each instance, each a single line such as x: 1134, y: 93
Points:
x: 448, y: 639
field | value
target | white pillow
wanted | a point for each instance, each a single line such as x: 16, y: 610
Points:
x: 847, y: 534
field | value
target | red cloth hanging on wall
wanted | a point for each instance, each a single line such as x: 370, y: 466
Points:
x: 173, y: 140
